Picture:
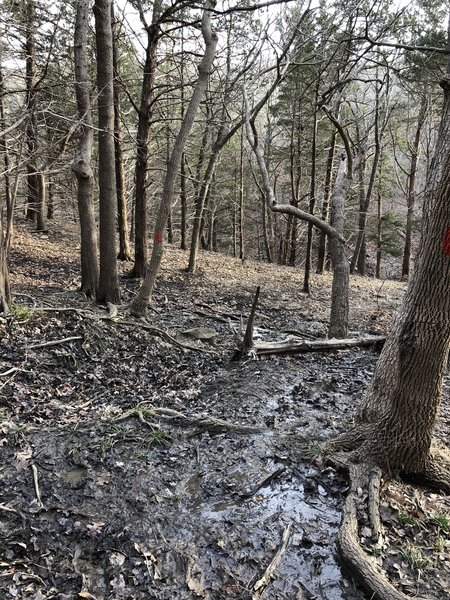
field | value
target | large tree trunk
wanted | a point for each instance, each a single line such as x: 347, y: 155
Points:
x: 108, y: 286
x: 81, y: 165
x: 399, y: 412
x: 143, y: 144
x: 394, y: 426
x: 139, y: 305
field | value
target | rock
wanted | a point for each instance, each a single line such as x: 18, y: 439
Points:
x: 201, y: 333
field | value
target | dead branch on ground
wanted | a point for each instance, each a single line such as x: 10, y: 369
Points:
x: 252, y: 347
x: 263, y: 582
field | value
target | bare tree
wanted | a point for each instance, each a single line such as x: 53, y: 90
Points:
x: 145, y: 112
x: 81, y: 165
x: 338, y: 326
x: 139, y: 304
x: 122, y: 212
x: 108, y: 287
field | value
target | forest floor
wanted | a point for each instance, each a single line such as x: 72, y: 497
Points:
x: 108, y: 494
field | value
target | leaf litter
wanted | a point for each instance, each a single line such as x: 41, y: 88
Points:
x: 106, y: 493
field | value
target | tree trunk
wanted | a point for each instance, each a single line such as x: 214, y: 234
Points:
x: 41, y: 210
x: 312, y: 201
x: 31, y: 129
x: 323, y: 246
x: 183, y: 203
x: 5, y: 292
x: 183, y: 193
x: 4, y: 147
x: 241, y: 198
x: 108, y: 287
x: 359, y: 255
x: 405, y: 392
x: 411, y: 187
x: 81, y: 165
x: 139, y: 305
x: 122, y: 212
x: 339, y: 300
x: 338, y: 327
x: 143, y: 145
x: 379, y: 232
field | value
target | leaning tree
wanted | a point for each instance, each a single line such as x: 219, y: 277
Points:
x: 393, y: 431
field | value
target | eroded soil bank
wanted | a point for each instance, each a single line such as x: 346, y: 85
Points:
x: 108, y: 494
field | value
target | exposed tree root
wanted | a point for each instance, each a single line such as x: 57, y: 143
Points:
x: 201, y: 422
x: 362, y: 505
x: 362, y: 566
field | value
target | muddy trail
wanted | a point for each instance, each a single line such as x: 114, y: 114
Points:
x: 138, y: 460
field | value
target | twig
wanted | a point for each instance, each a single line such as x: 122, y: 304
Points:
x: 36, y: 485
x: 263, y: 482
x: 8, y: 509
x: 52, y: 342
x: 264, y: 581
x: 9, y: 371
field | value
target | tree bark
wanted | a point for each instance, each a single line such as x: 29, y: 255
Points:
x: 323, y: 246
x: 81, y: 165
x: 122, y: 212
x: 31, y: 129
x: 143, y: 144
x: 404, y: 395
x: 411, y: 188
x: 338, y: 327
x: 108, y: 286
x: 139, y: 305
x: 312, y: 199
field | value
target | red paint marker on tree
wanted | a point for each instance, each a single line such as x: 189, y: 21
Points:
x: 159, y: 237
x: 446, y: 242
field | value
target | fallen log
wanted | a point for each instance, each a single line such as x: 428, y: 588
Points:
x: 251, y: 347
x: 297, y: 345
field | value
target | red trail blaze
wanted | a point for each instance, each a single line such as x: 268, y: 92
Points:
x: 159, y: 237
x: 446, y: 242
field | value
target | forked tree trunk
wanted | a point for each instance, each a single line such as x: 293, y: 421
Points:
x: 81, y: 165
x: 139, y: 305
x: 108, y: 286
